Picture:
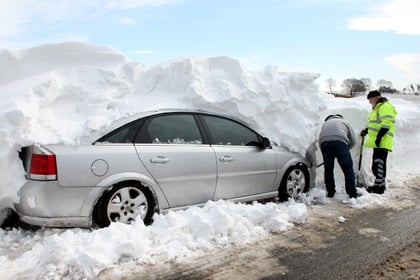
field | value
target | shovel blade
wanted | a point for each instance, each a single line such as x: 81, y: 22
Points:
x: 361, y: 180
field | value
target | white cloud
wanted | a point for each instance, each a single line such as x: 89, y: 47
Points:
x: 16, y: 17
x: 409, y: 62
x: 12, y: 16
x: 147, y: 51
x: 127, y: 20
x: 401, y: 16
x: 18, y: 23
x: 133, y: 4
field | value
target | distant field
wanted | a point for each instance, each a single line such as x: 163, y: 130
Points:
x: 408, y: 97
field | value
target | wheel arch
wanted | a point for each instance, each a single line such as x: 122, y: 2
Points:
x: 293, y: 161
x: 306, y: 171
x: 287, y: 169
x: 97, y: 215
x: 107, y: 184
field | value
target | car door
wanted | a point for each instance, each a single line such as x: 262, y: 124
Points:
x: 174, y: 151
x: 243, y: 168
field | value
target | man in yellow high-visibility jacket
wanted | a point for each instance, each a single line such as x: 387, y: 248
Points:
x: 380, y: 132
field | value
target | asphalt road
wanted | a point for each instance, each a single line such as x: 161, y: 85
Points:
x: 322, y: 248
x: 369, y: 239
x: 382, y: 242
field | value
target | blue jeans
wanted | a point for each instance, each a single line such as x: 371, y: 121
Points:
x: 332, y: 150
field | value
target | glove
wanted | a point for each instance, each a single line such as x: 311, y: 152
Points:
x: 364, y: 132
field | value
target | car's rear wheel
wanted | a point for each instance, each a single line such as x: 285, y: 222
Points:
x: 295, y: 182
x: 125, y: 203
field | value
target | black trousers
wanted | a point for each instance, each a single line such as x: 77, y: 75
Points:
x: 379, y: 166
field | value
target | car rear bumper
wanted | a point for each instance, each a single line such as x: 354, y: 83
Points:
x: 45, y: 203
x: 57, y: 222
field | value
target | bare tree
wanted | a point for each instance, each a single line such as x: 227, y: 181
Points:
x: 367, y: 82
x: 383, y: 83
x: 353, y: 86
x: 412, y: 88
x: 385, y: 86
x: 330, y: 83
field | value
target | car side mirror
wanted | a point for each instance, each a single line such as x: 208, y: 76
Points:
x: 265, y: 143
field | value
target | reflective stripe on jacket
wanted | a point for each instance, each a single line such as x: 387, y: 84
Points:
x: 382, y: 115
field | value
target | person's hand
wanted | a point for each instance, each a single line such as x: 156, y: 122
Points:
x: 364, y: 132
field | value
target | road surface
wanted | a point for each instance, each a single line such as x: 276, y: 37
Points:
x: 378, y: 243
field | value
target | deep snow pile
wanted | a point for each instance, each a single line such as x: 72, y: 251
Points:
x: 63, y: 101
x: 180, y: 235
x: 60, y: 93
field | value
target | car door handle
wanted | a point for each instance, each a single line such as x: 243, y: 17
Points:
x: 159, y: 159
x: 226, y: 159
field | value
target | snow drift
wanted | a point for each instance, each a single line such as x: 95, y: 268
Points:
x: 80, y: 88
x: 60, y: 93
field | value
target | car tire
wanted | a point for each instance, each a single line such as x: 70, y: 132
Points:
x: 295, y: 182
x: 125, y: 203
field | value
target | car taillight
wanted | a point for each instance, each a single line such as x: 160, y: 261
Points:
x: 43, y: 164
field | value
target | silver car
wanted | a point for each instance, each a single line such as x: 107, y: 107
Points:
x: 153, y: 162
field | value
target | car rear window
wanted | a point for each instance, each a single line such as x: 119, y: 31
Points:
x: 124, y: 134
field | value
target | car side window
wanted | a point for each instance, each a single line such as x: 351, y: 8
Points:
x: 124, y: 134
x: 171, y: 129
x: 228, y: 132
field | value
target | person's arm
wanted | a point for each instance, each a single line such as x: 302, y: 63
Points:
x: 381, y: 133
x: 352, y: 137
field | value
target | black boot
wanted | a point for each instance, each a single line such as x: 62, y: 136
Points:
x: 370, y: 189
x: 380, y: 190
x: 375, y: 189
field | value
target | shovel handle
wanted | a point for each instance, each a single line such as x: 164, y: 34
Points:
x: 361, y: 152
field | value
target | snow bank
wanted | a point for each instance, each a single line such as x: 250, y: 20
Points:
x: 18, y: 64
x: 177, y: 236
x: 78, y: 88
x: 60, y: 93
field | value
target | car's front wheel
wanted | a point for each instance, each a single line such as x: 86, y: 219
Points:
x: 124, y: 203
x: 295, y: 181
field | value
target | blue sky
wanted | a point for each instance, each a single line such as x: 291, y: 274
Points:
x: 339, y: 39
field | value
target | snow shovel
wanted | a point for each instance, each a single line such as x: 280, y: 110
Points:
x: 360, y: 177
